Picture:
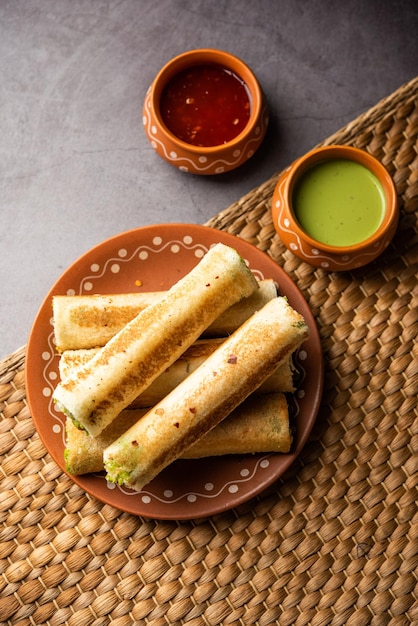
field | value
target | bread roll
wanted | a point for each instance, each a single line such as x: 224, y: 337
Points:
x: 259, y: 424
x: 89, y: 321
x: 99, y: 390
x: 207, y: 396
x: 281, y: 380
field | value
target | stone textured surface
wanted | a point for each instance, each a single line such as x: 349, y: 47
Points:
x: 75, y: 166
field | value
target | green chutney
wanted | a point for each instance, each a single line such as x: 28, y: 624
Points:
x: 339, y: 202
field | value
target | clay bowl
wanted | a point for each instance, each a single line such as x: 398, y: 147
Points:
x: 335, y: 250
x: 205, y: 159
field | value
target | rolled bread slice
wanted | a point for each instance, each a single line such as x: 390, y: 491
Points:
x: 281, y: 379
x: 90, y: 321
x: 99, y: 390
x: 259, y: 424
x: 207, y: 396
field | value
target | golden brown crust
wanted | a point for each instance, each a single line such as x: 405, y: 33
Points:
x: 259, y: 424
x: 82, y: 322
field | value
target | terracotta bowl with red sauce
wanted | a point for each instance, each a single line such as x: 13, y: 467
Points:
x: 205, y: 112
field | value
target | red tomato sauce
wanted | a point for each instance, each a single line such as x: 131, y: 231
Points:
x: 205, y: 105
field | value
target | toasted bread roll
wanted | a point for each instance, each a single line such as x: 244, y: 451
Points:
x: 83, y: 453
x: 259, y: 424
x: 89, y: 321
x: 99, y: 390
x: 280, y: 380
x: 207, y: 396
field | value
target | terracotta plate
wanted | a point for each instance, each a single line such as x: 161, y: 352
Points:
x: 153, y: 258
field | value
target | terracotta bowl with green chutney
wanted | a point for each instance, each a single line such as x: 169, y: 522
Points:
x: 336, y: 208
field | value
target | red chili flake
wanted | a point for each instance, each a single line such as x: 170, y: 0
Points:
x: 216, y: 277
x: 232, y: 359
x: 192, y: 409
x: 135, y: 444
x: 177, y: 425
x: 207, y: 284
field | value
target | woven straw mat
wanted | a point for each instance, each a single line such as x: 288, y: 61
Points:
x: 333, y: 541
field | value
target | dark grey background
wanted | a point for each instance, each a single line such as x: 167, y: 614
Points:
x: 75, y: 166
